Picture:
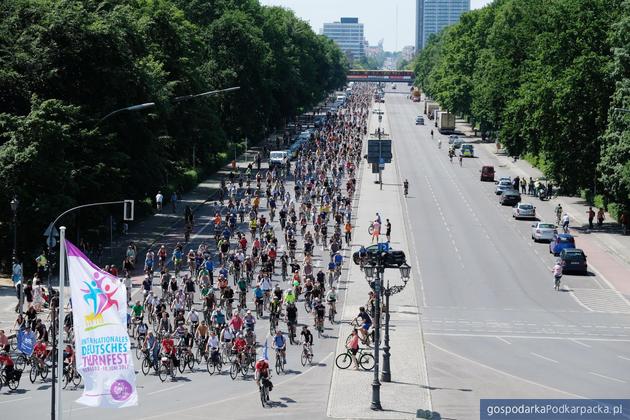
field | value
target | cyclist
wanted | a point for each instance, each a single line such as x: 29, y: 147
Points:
x: 250, y: 320
x: 138, y: 312
x: 289, y: 297
x: 218, y: 318
x: 258, y: 297
x: 307, y: 339
x: 239, y: 347
x: 151, y: 345
x: 320, y: 312
x: 192, y: 318
x: 557, y: 274
x: 149, y: 262
x: 177, y: 257
x: 236, y: 322
x: 168, y: 349
x: 162, y: 257
x: 280, y: 345
x: 6, y: 362
x: 262, y: 372
x: 212, y: 347
x: 201, y: 334
x: 366, y: 323
x: 275, y: 306
x: 331, y: 299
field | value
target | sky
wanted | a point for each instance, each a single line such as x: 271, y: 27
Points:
x: 378, y: 17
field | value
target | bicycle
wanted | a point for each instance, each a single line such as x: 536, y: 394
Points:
x: 557, y: 283
x: 214, y: 363
x: 70, y: 374
x: 307, y: 355
x: 364, y: 359
x: 38, y: 368
x: 279, y: 363
x: 264, y: 391
x: 273, y: 323
x: 238, y: 367
x: 147, y: 363
x: 166, y: 368
x: 319, y: 325
x: 292, y: 337
x: 331, y: 312
x: 14, y: 382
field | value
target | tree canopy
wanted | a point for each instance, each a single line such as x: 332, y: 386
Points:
x: 538, y: 76
x: 64, y: 64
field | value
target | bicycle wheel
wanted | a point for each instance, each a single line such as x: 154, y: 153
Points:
x: 307, y: 306
x: 304, y: 358
x: 33, y: 373
x: 65, y: 380
x: 76, y: 379
x: 21, y: 362
x: 13, y: 383
x: 163, y: 371
x: 138, y: 352
x: 13, y: 344
x: 370, y: 230
x: 190, y: 362
x: 234, y: 369
x: 210, y: 367
x: 182, y: 364
x: 343, y: 360
x: 244, y: 369
x: 278, y: 365
x: 366, y: 361
x: 272, y: 326
x: 146, y: 366
x: 263, y: 399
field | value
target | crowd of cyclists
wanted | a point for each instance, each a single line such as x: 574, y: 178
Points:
x: 276, y: 253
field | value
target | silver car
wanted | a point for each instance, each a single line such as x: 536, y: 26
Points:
x: 524, y: 211
x: 502, y: 186
x: 542, y: 231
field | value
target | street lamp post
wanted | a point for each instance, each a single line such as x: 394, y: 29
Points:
x: 386, y: 375
x: 371, y: 270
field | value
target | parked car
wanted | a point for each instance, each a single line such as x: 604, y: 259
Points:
x: 393, y: 258
x: 505, y: 178
x: 467, y: 150
x: 457, y: 143
x: 487, y: 173
x: 573, y: 260
x: 542, y: 231
x: 561, y: 241
x: 452, y: 138
x: 419, y: 120
x: 510, y: 197
x: 524, y: 211
x: 503, y: 186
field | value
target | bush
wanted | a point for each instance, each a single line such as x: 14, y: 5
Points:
x: 615, y: 210
x: 599, y: 201
x: 587, y: 195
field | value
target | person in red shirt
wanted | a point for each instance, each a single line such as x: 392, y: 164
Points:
x: 40, y: 352
x: 262, y: 372
x: 236, y: 322
x: 6, y: 362
x: 239, y: 347
x: 68, y: 355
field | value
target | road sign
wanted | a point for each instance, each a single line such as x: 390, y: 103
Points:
x: 51, y: 242
x: 381, y: 161
x: 51, y: 229
x: 379, y: 151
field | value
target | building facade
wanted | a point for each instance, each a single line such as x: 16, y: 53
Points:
x: 434, y: 15
x: 348, y: 35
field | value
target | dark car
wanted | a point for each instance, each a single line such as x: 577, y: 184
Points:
x: 573, y: 260
x: 510, y: 198
x: 392, y: 258
x: 561, y: 241
x: 487, y: 173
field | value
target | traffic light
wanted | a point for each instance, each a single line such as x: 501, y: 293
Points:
x: 128, y: 206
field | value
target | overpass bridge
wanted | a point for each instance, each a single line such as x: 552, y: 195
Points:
x: 385, y: 76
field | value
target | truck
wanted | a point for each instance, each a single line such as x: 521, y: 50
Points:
x: 429, y: 107
x: 415, y: 95
x: 445, y: 122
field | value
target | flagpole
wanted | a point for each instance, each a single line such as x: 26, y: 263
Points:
x: 60, y: 318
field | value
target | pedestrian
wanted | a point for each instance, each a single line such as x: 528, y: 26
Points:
x: 388, y: 230
x: 348, y: 231
x: 174, y: 202
x: 159, y: 198
x: 376, y: 230
x: 531, y: 187
x: 353, y: 346
x: 461, y: 160
x: 565, y: 223
x: 523, y: 186
x: 591, y: 216
x: 600, y: 217
x: 17, y: 277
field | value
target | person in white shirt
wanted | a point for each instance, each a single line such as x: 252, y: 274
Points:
x: 159, y: 198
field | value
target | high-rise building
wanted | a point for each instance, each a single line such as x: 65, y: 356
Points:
x: 434, y: 15
x: 348, y: 35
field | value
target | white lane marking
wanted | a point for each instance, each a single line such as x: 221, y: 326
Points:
x: 506, y: 373
x: 239, y: 396
x: 502, y: 339
x: 580, y: 343
x: 543, y: 357
x: 15, y: 400
x: 624, y: 358
x: 166, y: 389
x: 536, y: 337
x: 608, y: 377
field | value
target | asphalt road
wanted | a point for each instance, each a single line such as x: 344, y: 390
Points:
x: 300, y: 391
x: 493, y: 325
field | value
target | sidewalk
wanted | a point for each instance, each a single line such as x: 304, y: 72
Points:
x: 351, y: 390
x: 606, y: 246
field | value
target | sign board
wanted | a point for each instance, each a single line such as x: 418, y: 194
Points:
x: 375, y: 168
x: 51, y: 230
x: 51, y: 242
x: 379, y: 151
